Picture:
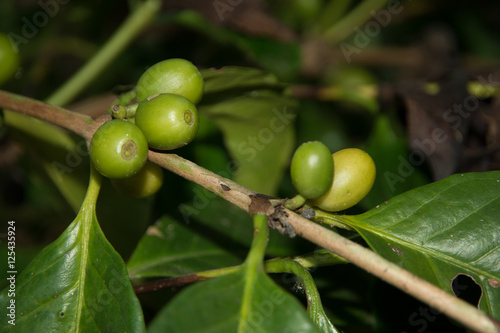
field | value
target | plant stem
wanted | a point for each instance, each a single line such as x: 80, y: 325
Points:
x: 282, y: 265
x: 255, y: 257
x: 314, y: 306
x: 295, y: 202
x: 316, y: 259
x: 253, y: 264
x: 125, y: 98
x: 345, y: 27
x: 136, y: 21
x: 76, y: 122
x: 183, y: 280
x: 332, y: 12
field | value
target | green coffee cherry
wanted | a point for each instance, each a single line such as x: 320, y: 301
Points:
x: 168, y: 121
x: 311, y: 169
x: 174, y: 76
x: 354, y: 172
x: 118, y: 149
x: 143, y: 184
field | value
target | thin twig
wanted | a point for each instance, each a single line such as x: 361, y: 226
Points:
x: 168, y: 283
x: 129, y: 29
x: 78, y: 123
x: 357, y: 16
x: 253, y: 202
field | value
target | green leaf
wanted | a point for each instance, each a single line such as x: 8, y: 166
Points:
x: 441, y: 230
x: 76, y: 284
x: 256, y: 120
x: 216, y: 304
x: 232, y: 78
x: 244, y: 301
x: 170, y: 249
x: 259, y: 135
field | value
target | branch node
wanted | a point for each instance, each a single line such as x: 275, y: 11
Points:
x: 277, y: 215
x: 279, y: 220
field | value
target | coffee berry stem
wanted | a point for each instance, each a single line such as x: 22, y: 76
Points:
x: 118, y: 111
x: 119, y: 108
x: 130, y: 110
x: 332, y: 219
x: 295, y: 202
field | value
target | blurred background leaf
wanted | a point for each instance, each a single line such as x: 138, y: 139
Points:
x: 257, y: 124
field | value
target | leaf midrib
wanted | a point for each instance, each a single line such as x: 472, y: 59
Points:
x: 87, y: 219
x: 426, y: 251
x: 375, y: 212
x: 421, y: 249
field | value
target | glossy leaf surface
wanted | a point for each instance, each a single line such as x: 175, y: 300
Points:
x: 170, y: 249
x: 244, y: 301
x: 443, y: 230
x: 256, y: 121
x: 216, y: 304
x: 76, y: 284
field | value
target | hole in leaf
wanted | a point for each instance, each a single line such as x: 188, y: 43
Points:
x: 466, y: 288
x: 61, y: 314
